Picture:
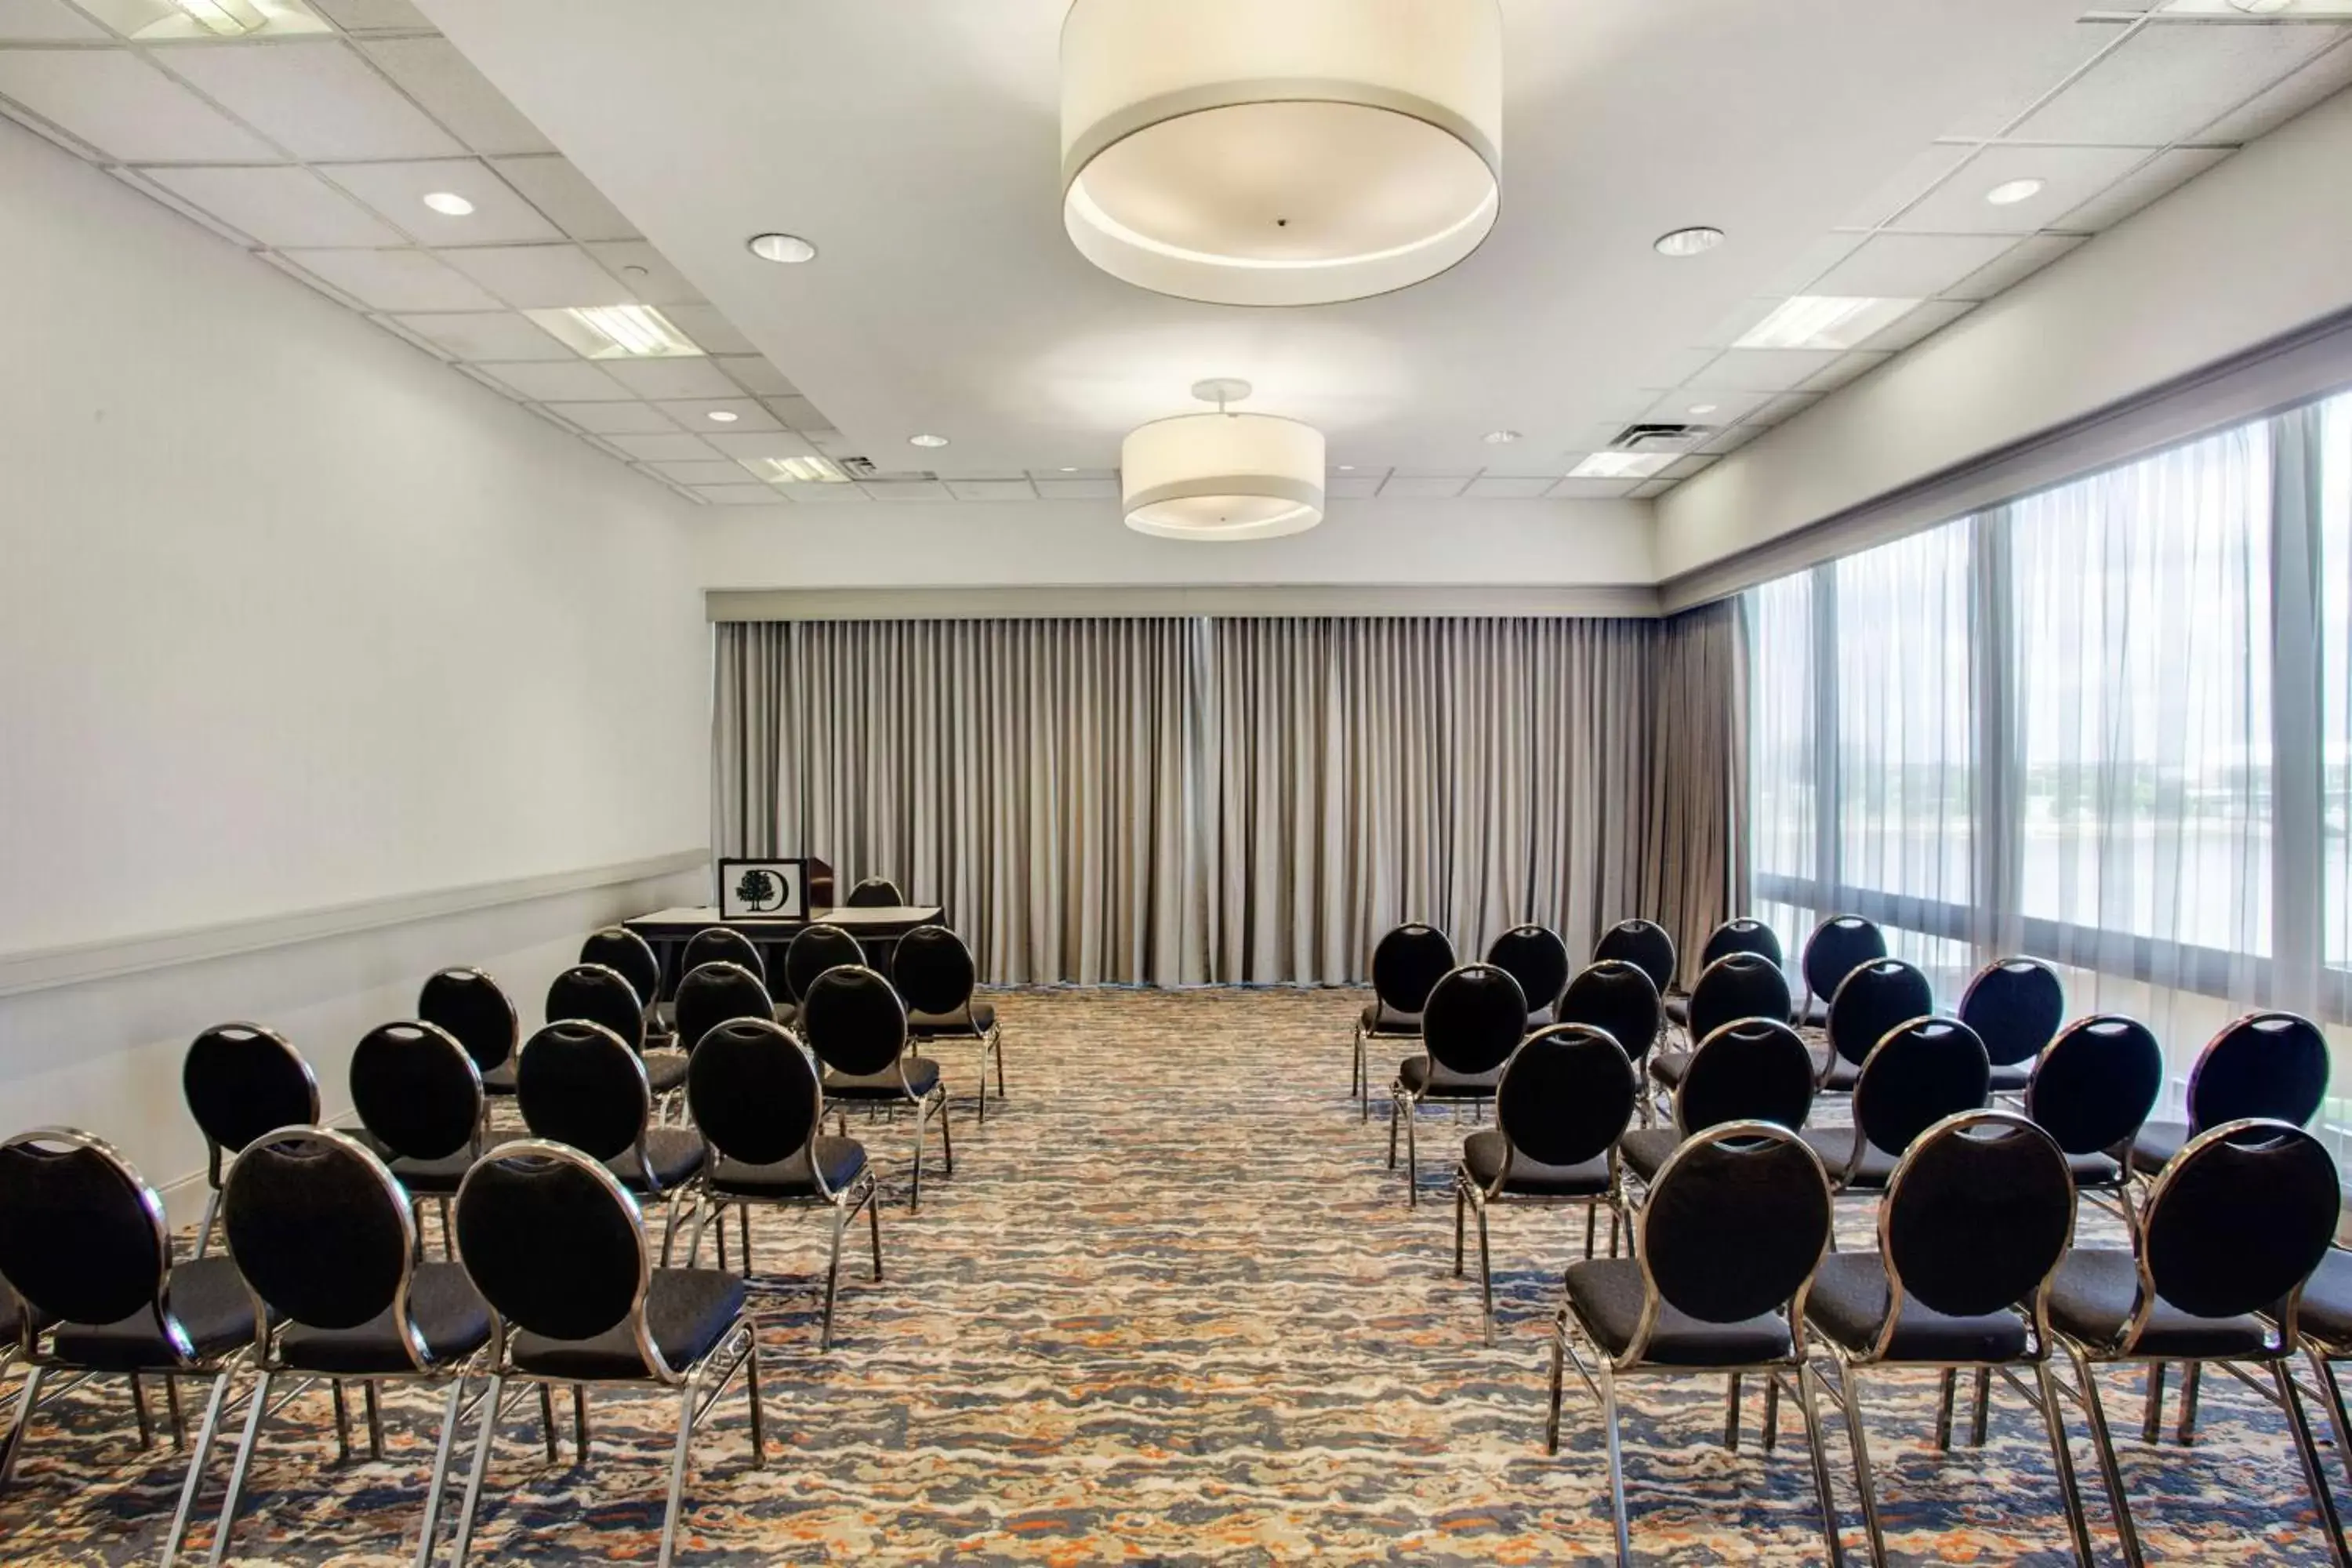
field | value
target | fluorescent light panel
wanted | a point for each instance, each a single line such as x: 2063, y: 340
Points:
x: 805, y: 471
x: 618, y: 331
x: 1621, y: 464
x: 224, y: 18
x: 174, y: 21
x: 1825, y: 321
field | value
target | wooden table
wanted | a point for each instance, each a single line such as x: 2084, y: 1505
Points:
x: 878, y: 931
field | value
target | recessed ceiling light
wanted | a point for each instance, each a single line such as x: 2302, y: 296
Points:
x: 2009, y: 193
x: 1689, y: 241
x: 805, y: 471
x: 1704, y: 408
x: 927, y: 440
x: 722, y: 416
x: 1347, y: 468
x: 1620, y: 465
x: 224, y: 18
x: 1824, y: 321
x: 789, y: 249
x: 1070, y: 470
x: 1501, y: 437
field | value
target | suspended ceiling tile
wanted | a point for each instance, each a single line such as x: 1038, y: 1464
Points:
x: 1510, y: 486
x: 1761, y: 370
x: 675, y: 447
x: 823, y: 495
x: 991, y: 489
x: 694, y: 413
x: 435, y: 74
x: 762, y: 445
x: 2055, y: 57
x: 1682, y: 408
x: 578, y: 382
x: 711, y: 471
x: 650, y: 277
x: 373, y: 15
x: 710, y: 329
x: 2167, y: 82
x: 1684, y: 468
x: 1680, y: 366
x: 46, y: 22
x: 1911, y: 265
x: 909, y: 490
x: 2306, y: 88
x: 2159, y: 176
x: 1362, y: 485
x: 1743, y: 319
x: 1649, y: 489
x: 798, y: 413
x: 1425, y: 486
x: 2027, y: 257
x: 1788, y: 405
x: 1063, y: 488
x: 398, y: 191
x: 616, y: 419
x: 1926, y: 170
x: 1732, y: 438
x: 754, y: 374
x: 394, y: 280
x: 277, y: 205
x: 666, y: 379
x: 1919, y: 323
x: 540, y: 277
x: 738, y: 495
x: 1851, y: 368
x: 2069, y: 175
x: 493, y: 335
x: 1591, y: 490
x: 552, y: 185
x: 118, y: 103
x: 1799, y: 276
x: 317, y: 100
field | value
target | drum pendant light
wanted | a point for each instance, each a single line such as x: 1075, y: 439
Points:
x: 1280, y: 151
x: 1222, y: 476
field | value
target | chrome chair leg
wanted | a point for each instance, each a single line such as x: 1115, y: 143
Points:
x: 1559, y: 1360
x: 440, y: 1475
x: 1849, y: 1395
x: 1485, y: 1274
x: 1983, y: 1409
x: 580, y: 1419
x: 2109, y: 1470
x: 204, y: 1231
x: 1945, y: 1383
x: 751, y: 1391
x: 2151, y: 1424
x: 482, y: 1463
x: 342, y: 1423
x: 1393, y: 1131
x: 1806, y: 1396
x: 677, y: 1473
x: 1616, y: 1467
x: 238, y: 1471
x: 833, y: 1275
x: 1460, y: 1203
x: 1771, y: 1437
x: 1731, y: 1414
x: 374, y: 1419
x: 2191, y: 1376
x: 28, y: 1399
x: 874, y: 1217
x: 2339, y: 1420
x: 1411, y: 1163
x: 2053, y: 1420
x: 915, y: 1181
x: 947, y: 1136
x: 196, y: 1462
x: 547, y: 1423
x: 172, y: 1410
x: 2299, y: 1422
x: 744, y: 1234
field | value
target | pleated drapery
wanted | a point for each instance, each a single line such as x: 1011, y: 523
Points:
x: 1187, y: 801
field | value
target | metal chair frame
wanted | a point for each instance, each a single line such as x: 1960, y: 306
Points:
x: 990, y: 1040
x: 1360, y: 1084
x: 926, y: 1105
x: 1404, y: 1102
x: 212, y: 1150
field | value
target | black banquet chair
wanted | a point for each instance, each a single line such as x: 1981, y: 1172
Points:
x: 1643, y: 944
x: 1724, y: 1253
x: 593, y: 994
x: 470, y: 1005
x: 618, y: 947
x: 813, y: 950
x: 1564, y: 1099
x: 2233, y: 1228
x: 1833, y: 949
x: 419, y: 1098
x: 2092, y: 1090
x: 1474, y: 1018
x: 761, y: 1111
x: 935, y: 976
x: 580, y: 1084
x: 876, y: 893
x: 1617, y: 997
x: 1535, y: 957
x: 1920, y: 1073
x: 1736, y: 986
x: 241, y: 1080
x: 557, y: 1249
x: 1742, y: 933
x: 2267, y: 1066
x: 1974, y: 1220
x: 1749, y: 1069
x: 1873, y: 998
x: 2015, y: 1006
x: 321, y: 1233
x: 83, y: 1242
x: 857, y: 1025
x: 1406, y: 963
x: 716, y: 994
x: 721, y: 945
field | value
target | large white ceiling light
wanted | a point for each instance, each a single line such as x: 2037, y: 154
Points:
x: 1223, y: 475
x: 1280, y: 151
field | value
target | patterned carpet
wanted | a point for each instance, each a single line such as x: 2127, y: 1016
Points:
x: 1173, y: 1309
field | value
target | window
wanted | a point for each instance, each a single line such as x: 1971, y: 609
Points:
x: 2335, y: 678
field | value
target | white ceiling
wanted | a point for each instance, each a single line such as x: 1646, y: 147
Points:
x: 1845, y: 144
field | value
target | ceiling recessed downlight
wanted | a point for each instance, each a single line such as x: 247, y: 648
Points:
x: 790, y: 250
x: 1501, y: 437
x: 1688, y: 241
x: 1222, y: 476
x: 449, y: 204
x: 1825, y: 321
x: 1705, y: 407
x: 722, y: 416
x: 1280, y: 151
x: 1620, y: 465
x: 927, y: 440
x: 2009, y: 193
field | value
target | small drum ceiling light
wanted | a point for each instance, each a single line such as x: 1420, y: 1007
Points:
x: 1223, y: 475
x: 1280, y: 151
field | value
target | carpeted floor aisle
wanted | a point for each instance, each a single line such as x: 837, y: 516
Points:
x: 1173, y: 1309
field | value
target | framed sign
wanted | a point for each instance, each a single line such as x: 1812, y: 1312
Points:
x: 762, y: 889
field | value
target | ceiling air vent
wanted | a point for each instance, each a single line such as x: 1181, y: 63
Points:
x: 858, y: 468
x: 1660, y: 437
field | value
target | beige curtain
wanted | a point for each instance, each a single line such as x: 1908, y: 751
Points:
x: 1249, y: 800
x: 1693, y: 859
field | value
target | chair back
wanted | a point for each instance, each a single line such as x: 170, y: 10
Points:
x: 814, y: 950
x: 240, y: 1081
x: 933, y: 970
x: 2015, y: 1006
x: 469, y: 1005
x: 1917, y: 1074
x: 1615, y: 996
x: 754, y: 1092
x: 2238, y: 1221
x: 596, y: 995
x: 1735, y: 1224
x: 721, y: 945
x: 1646, y: 945
x: 1750, y: 1069
x: 618, y: 947
x: 555, y: 1245
x: 2271, y: 1066
x: 1537, y: 959
x: 1837, y: 947
x: 852, y: 1020
x: 1977, y: 1216
x: 1408, y: 962
x: 579, y: 1083
x: 2097, y: 1083
x: 1873, y: 998
x: 82, y: 1237
x: 416, y: 1089
x: 1474, y: 1018
x: 876, y: 893
x: 1741, y: 933
x: 1738, y: 986
x: 717, y: 993
x: 321, y: 1232
x: 1567, y: 1095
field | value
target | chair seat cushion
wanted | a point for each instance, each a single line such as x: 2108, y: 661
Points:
x: 665, y: 1070
x: 2011, y: 1079
x: 1835, y: 1146
x: 2157, y: 1144
x: 432, y: 1178
x: 1679, y: 1011
x: 1646, y: 1149
x: 1815, y: 1013
x: 2093, y: 1296
x: 687, y: 1312
x: 1484, y: 1153
x: 2326, y: 1313
x: 674, y: 1153
x: 972, y: 1018
x: 2093, y: 1170
x: 1422, y: 1082
x: 1606, y: 1294
x: 1843, y: 1075
x: 207, y: 1295
x: 1379, y: 1018
x: 500, y: 1080
x: 1849, y: 1299
x: 1540, y: 1018
x: 923, y: 1076
x: 841, y: 1160
x: 787, y: 1013
x: 1670, y: 1067
x: 447, y: 1310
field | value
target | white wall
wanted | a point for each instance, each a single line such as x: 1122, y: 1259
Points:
x: 2257, y: 247
x: 296, y: 617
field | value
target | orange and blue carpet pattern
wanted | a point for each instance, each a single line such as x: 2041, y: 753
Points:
x: 1173, y: 1309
